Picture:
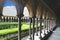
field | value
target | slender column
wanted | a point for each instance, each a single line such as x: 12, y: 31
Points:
x: 4, y: 19
x: 47, y: 24
x: 0, y: 18
x: 19, y: 28
x: 30, y: 29
x: 44, y: 26
x: 33, y: 28
x: 14, y: 19
x: 37, y: 26
x: 41, y: 22
x: 20, y: 15
x: 11, y: 19
x: 52, y: 24
x: 33, y: 18
x: 40, y: 28
x: 24, y: 19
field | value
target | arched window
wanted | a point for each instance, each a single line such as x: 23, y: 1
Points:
x: 9, y: 9
x: 25, y: 12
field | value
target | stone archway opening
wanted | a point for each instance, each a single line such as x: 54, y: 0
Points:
x: 27, y: 12
x: 9, y: 9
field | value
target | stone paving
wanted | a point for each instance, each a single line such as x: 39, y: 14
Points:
x: 35, y: 36
x: 55, y: 35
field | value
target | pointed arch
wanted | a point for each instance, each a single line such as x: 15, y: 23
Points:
x: 29, y: 7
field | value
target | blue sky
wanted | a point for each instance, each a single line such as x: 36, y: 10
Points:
x: 9, y: 3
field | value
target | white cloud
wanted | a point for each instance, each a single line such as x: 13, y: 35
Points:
x: 9, y: 11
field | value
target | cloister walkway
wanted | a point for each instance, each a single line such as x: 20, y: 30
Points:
x: 55, y: 35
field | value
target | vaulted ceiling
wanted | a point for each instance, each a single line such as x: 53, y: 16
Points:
x: 55, y: 6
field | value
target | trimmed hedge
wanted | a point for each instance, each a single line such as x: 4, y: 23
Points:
x: 24, y: 27
x: 13, y: 30
x: 8, y: 25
